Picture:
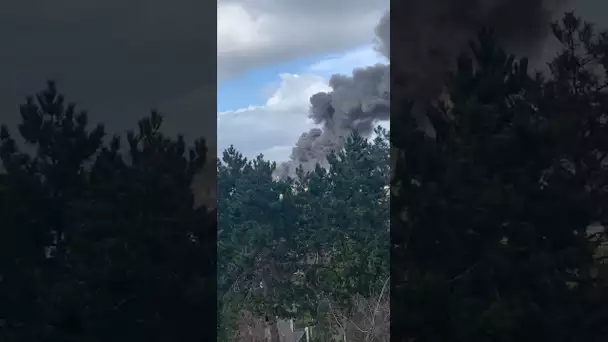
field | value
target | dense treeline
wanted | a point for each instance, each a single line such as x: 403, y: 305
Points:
x: 491, y: 218
x: 494, y: 219
x: 288, y: 247
x: 99, y: 241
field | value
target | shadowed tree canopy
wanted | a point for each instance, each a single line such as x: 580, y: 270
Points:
x: 289, y: 247
x: 101, y: 241
x: 490, y: 218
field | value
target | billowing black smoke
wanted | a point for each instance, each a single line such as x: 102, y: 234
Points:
x: 429, y: 36
x: 356, y: 103
x: 433, y: 33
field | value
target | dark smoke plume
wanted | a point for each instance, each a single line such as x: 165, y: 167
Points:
x: 429, y: 36
x: 356, y: 103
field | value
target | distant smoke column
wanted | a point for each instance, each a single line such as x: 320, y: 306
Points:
x: 383, y: 36
x: 355, y: 104
x: 431, y: 34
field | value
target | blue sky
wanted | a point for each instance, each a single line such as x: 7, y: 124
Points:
x: 274, y: 54
x: 254, y: 87
x: 265, y: 110
x: 251, y: 89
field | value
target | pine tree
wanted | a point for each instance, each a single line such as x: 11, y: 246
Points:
x: 114, y: 248
x: 489, y: 219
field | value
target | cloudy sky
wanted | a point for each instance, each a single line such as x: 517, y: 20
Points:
x: 117, y: 59
x: 274, y: 54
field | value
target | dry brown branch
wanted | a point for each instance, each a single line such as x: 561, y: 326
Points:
x: 250, y: 328
x: 368, y: 321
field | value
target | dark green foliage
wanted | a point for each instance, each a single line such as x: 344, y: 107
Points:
x: 101, y: 242
x: 346, y: 218
x: 322, y: 236
x: 489, y: 218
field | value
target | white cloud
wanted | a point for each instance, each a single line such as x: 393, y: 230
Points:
x: 256, y: 33
x: 273, y: 128
x: 345, y: 63
x: 238, y: 30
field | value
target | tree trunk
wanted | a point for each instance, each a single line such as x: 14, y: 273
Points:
x: 272, y: 330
